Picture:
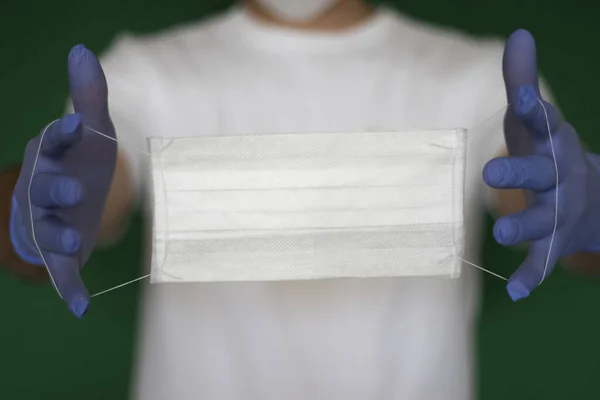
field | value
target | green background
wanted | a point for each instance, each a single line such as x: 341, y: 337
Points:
x: 546, y: 347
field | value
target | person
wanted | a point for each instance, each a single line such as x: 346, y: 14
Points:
x: 304, y: 66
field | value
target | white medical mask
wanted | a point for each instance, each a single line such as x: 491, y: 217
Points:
x: 297, y: 10
x: 308, y: 206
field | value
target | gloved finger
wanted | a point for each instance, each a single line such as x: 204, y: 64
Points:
x: 519, y: 64
x: 64, y: 273
x: 53, y: 190
x: 538, y: 116
x: 536, y: 267
x: 529, y: 172
x: 533, y: 223
x: 52, y: 234
x: 61, y: 135
x: 88, y: 89
x: 521, y: 80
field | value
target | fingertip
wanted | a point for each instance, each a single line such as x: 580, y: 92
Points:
x: 532, y: 272
x: 517, y: 290
x: 70, y: 240
x: 521, y: 34
x: 538, y: 116
x: 64, y: 274
x: 61, y: 135
x: 505, y: 231
x: 519, y: 41
x: 71, y: 123
x: 519, y: 64
x: 526, y: 101
x: 77, y: 52
x: 494, y: 173
x: 71, y: 192
x: 83, y: 67
x: 79, y: 306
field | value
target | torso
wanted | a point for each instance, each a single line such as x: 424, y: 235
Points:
x: 331, y: 339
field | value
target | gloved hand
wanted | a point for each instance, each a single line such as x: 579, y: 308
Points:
x: 66, y: 175
x: 531, y: 166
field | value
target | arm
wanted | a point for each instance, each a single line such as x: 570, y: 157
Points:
x: 9, y: 260
x: 119, y: 203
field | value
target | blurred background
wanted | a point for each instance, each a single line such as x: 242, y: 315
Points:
x: 547, y: 347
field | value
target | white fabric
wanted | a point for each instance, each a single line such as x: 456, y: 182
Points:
x: 380, y: 338
x: 297, y: 10
x: 308, y: 206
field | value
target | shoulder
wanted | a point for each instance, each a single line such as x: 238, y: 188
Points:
x: 145, y: 53
x: 448, y: 52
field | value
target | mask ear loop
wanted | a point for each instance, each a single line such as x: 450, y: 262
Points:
x: 166, y: 220
x: 33, y: 230
x: 551, y: 245
x: 453, y: 157
x: 33, y: 237
x: 166, y: 254
x: 485, y: 121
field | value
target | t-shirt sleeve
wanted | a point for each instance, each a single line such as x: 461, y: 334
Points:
x: 129, y: 78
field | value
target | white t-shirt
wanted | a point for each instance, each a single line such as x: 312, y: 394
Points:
x: 333, y: 339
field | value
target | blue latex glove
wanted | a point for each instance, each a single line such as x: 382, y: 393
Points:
x: 70, y: 184
x: 530, y: 166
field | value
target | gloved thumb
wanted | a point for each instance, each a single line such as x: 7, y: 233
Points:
x: 88, y: 89
x: 519, y: 64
